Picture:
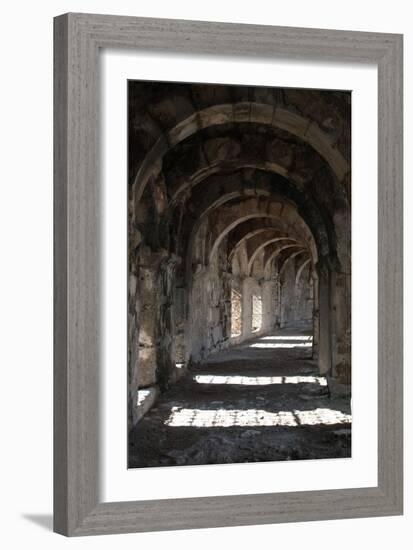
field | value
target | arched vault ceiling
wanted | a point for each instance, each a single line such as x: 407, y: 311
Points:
x: 258, y: 244
x: 233, y: 113
x: 248, y: 146
x: 259, y: 239
x: 285, y: 260
x: 308, y: 222
x: 157, y: 106
x: 194, y: 148
x: 306, y: 262
x: 227, y: 213
x: 248, y: 230
x: 273, y: 252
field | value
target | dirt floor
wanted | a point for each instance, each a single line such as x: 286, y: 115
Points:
x: 260, y: 401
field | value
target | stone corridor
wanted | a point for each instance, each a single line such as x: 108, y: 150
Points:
x: 261, y: 400
x: 239, y: 230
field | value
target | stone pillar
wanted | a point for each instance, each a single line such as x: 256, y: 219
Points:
x: 143, y: 290
x: 135, y: 239
x: 316, y: 315
x: 341, y: 298
x: 147, y: 293
x: 165, y: 322
x: 154, y: 295
x: 133, y: 348
x: 324, y: 353
x: 277, y: 323
x: 342, y: 327
x: 269, y: 300
x: 247, y: 286
x: 179, y: 323
x: 303, y: 310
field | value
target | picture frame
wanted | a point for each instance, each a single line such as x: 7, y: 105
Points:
x: 77, y: 507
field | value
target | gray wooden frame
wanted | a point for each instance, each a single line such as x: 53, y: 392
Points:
x: 77, y: 507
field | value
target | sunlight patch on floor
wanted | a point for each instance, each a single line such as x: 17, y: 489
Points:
x: 281, y: 345
x: 302, y: 338
x: 200, y: 418
x: 258, y: 380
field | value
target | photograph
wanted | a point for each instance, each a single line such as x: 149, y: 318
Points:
x: 239, y: 274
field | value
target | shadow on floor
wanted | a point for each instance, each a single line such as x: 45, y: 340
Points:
x: 260, y: 401
x: 42, y: 520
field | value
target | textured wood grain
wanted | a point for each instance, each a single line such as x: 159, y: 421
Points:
x: 390, y: 273
x: 60, y: 485
x: 78, y: 37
